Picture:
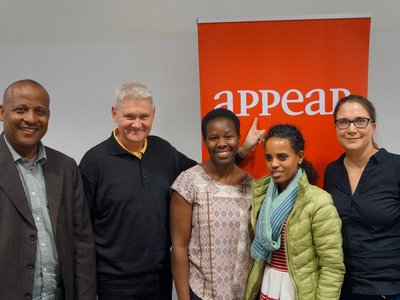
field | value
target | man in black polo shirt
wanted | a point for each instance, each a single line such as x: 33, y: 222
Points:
x: 127, y: 181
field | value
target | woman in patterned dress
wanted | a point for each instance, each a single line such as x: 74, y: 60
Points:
x: 210, y: 218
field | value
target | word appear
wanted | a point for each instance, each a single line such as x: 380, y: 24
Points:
x: 316, y: 103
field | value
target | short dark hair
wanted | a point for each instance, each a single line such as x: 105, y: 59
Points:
x: 289, y: 132
x: 31, y: 82
x: 294, y: 136
x: 219, y: 113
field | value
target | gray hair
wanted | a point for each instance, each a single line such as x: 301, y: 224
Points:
x: 133, y: 90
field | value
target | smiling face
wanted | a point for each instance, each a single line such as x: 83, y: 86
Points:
x: 25, y: 114
x: 134, y: 118
x: 221, y: 140
x: 282, y: 161
x: 353, y: 138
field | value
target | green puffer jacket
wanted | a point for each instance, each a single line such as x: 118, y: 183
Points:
x: 313, y: 243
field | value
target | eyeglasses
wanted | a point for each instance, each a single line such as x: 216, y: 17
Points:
x: 360, y: 123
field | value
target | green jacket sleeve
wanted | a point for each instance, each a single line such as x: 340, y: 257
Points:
x: 326, y: 228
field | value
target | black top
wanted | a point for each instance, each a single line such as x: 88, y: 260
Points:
x: 371, y: 223
x: 129, y: 203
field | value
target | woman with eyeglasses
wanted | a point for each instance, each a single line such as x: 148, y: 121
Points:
x: 365, y: 186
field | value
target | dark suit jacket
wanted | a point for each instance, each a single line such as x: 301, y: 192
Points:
x: 71, y: 226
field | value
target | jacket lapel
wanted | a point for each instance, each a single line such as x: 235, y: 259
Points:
x: 54, y: 187
x: 10, y: 183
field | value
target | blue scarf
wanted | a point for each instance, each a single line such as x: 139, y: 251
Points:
x: 273, y: 213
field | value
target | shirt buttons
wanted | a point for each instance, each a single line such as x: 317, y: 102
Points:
x: 28, y: 296
x: 32, y: 237
x: 29, y: 266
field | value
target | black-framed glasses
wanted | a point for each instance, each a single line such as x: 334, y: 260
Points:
x: 358, y: 123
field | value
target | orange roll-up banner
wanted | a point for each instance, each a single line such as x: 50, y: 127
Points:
x: 284, y: 71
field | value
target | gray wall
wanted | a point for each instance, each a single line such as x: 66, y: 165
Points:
x: 82, y: 78
x: 82, y: 50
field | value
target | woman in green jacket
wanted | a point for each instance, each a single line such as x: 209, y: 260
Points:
x: 298, y: 244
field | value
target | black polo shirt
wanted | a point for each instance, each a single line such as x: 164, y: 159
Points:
x: 371, y: 223
x: 129, y: 202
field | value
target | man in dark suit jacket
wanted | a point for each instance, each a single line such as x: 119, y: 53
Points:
x: 46, y: 238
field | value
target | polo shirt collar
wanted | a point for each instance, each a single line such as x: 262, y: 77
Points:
x: 137, y: 154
